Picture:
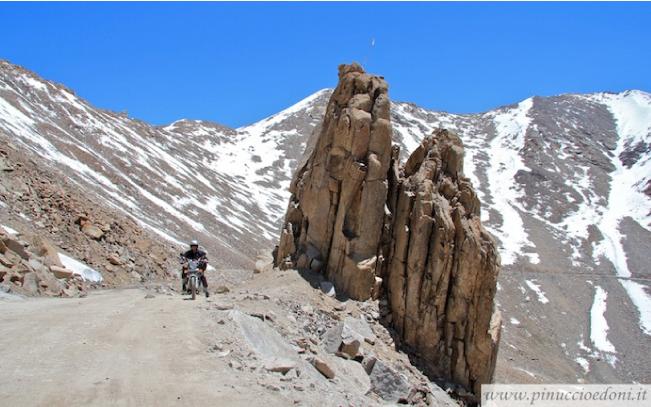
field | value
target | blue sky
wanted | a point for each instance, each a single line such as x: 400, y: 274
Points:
x: 235, y: 63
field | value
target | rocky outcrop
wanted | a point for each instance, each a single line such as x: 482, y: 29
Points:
x: 336, y: 210
x: 442, y: 274
x: 57, y: 216
x: 412, y: 233
x: 35, y: 269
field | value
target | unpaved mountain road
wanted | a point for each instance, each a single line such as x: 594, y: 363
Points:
x: 117, y: 348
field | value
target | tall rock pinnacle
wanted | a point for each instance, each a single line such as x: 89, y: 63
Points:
x: 442, y: 274
x: 336, y: 211
x: 412, y: 234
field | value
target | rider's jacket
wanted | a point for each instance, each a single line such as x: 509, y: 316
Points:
x: 199, y: 255
x: 190, y: 255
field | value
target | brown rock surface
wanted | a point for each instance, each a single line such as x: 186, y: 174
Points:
x: 412, y: 234
x: 442, y: 275
x: 337, y: 204
x: 45, y: 248
x: 323, y: 368
x: 92, y: 231
x: 61, y: 272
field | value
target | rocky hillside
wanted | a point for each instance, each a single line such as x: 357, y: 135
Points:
x: 563, y: 181
x: 56, y: 240
x: 190, y: 179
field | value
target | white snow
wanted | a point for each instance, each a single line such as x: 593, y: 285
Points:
x: 80, y: 268
x: 260, y: 126
x: 34, y: 83
x: 514, y: 321
x: 3, y: 205
x: 575, y: 225
x: 161, y: 233
x: 598, y: 323
x: 539, y: 292
x: 505, y: 161
x: 582, y: 345
x: 10, y: 230
x: 632, y: 112
x: 583, y: 362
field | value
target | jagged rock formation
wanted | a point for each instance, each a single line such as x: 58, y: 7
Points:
x: 336, y: 211
x: 442, y: 274
x: 412, y: 233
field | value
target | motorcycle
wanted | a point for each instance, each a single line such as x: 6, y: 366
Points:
x: 193, y: 276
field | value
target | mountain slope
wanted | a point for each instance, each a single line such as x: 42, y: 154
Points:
x: 564, y: 182
x: 189, y: 179
x: 565, y: 187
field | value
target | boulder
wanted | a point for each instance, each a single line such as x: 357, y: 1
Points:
x: 390, y: 385
x: 61, y: 272
x: 323, y: 367
x: 275, y: 353
x: 352, y: 372
x: 16, y: 246
x: 114, y: 259
x: 347, y: 337
x: 92, y: 231
x: 30, y: 283
x: 5, y: 261
x: 44, y: 248
x: 279, y: 364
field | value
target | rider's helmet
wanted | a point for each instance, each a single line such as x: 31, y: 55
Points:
x: 194, y: 243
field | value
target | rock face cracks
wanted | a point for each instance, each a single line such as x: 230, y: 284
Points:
x: 336, y: 212
x: 411, y: 234
x: 443, y: 265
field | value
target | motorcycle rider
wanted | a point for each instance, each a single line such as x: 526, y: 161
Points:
x: 195, y: 254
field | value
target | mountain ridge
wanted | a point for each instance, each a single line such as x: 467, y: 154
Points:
x: 544, y: 168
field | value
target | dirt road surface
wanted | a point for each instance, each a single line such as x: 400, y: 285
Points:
x: 115, y: 348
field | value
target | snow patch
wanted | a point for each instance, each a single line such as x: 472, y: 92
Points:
x: 10, y: 230
x: 260, y: 126
x: 77, y: 267
x: 504, y: 162
x: 632, y: 113
x: 598, y: 323
x: 584, y: 363
x: 539, y: 292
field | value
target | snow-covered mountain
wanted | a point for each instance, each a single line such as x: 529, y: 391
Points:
x: 227, y: 187
x: 565, y: 184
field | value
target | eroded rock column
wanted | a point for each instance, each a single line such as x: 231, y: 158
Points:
x: 336, y: 212
x: 442, y: 274
x: 411, y: 234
